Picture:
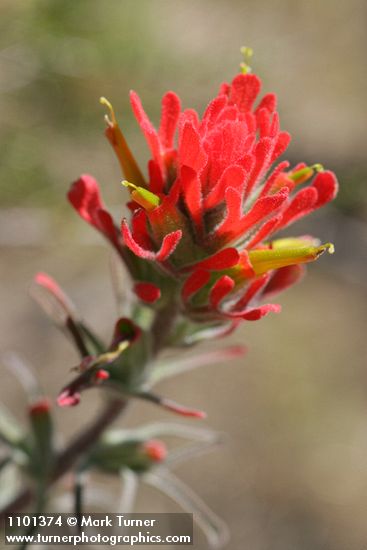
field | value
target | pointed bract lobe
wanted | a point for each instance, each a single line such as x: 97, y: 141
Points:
x: 85, y: 197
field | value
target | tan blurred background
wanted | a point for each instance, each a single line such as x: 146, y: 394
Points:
x: 293, y: 474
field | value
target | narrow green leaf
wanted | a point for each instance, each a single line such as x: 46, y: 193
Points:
x: 213, y: 527
x: 171, y: 367
x: 10, y: 431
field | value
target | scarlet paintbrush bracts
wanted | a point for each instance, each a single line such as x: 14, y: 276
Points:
x: 199, y: 246
x: 200, y: 251
x: 207, y: 214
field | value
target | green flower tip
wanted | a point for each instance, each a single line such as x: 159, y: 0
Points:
x: 247, y: 54
x: 329, y: 247
x: 104, y: 101
x: 145, y: 198
x: 305, y: 173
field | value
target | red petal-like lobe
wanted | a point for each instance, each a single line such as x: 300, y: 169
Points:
x: 106, y: 225
x: 148, y: 292
x: 230, y: 227
x: 282, y: 143
x: 252, y: 291
x: 244, y: 90
x: 263, y: 152
x: 140, y: 230
x: 197, y: 280
x: 191, y: 190
x: 224, y: 259
x: 168, y: 246
x: 283, y: 278
x: 180, y: 409
x: 247, y: 270
x: 220, y: 289
x: 85, y: 197
x: 302, y: 204
x: 258, y: 312
x: 156, y: 180
x: 171, y: 107
x: 269, y: 102
x: 250, y: 120
x: 264, y: 122
x: 247, y: 161
x: 51, y: 286
x: 275, y: 125
x: 225, y: 145
x: 265, y: 230
x: 147, y: 127
x: 273, y: 176
x: 233, y: 176
x: 212, y: 111
x: 327, y: 187
x: 190, y: 116
x: 190, y: 151
x: 234, y: 225
x: 67, y: 399
x: 262, y: 208
x: 224, y: 89
x: 230, y: 112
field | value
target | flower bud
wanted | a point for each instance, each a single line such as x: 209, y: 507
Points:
x: 155, y: 450
x: 40, y: 407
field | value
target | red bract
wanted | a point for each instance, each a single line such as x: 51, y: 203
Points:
x: 212, y: 203
x: 85, y: 196
x: 148, y: 292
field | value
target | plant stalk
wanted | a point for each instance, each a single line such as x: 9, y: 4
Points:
x: 81, y: 443
x: 70, y: 455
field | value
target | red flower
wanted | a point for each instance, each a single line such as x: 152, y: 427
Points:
x: 212, y: 203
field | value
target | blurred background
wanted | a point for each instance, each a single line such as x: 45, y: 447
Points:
x: 293, y: 472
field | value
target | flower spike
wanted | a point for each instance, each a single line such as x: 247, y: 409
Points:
x: 214, y: 200
x: 219, y: 196
x: 200, y: 251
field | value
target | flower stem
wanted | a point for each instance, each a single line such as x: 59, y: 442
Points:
x: 70, y: 455
x: 82, y: 442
